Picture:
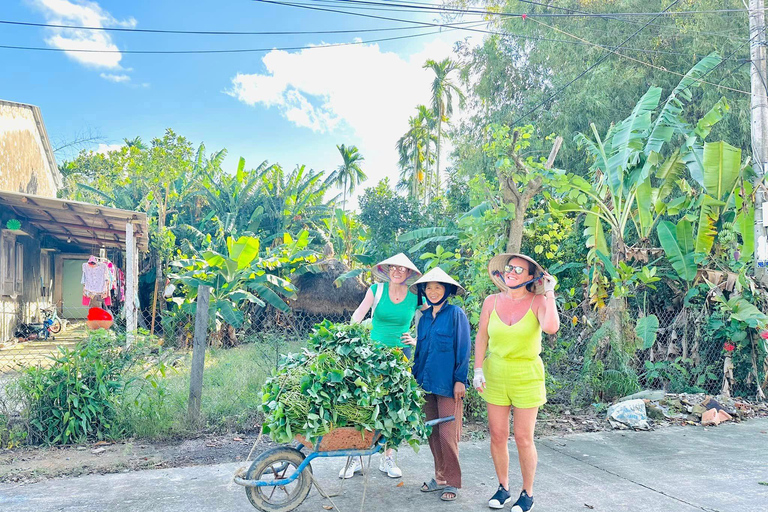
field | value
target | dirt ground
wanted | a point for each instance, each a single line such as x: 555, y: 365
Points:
x: 31, y: 464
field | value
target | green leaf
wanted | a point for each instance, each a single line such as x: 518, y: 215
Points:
x: 722, y: 165
x: 243, y: 251
x: 682, y: 262
x: 627, y: 137
x: 646, y: 330
x: 744, y: 225
x: 709, y: 214
x: 669, y: 119
x: 608, y: 265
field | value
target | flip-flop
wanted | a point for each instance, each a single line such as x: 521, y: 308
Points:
x: 449, y: 489
x: 431, y: 486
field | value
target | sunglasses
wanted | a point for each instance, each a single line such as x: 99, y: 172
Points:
x: 400, y: 269
x: 517, y: 269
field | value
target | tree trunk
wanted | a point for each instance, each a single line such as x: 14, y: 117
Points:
x: 437, y: 174
x: 158, y: 261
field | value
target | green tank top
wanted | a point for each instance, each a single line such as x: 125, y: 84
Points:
x: 391, y: 320
x: 521, y: 340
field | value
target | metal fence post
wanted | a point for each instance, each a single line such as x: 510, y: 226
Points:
x: 198, y: 354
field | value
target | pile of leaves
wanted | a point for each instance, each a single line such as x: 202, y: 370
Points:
x: 343, y: 379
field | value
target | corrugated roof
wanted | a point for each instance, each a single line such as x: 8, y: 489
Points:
x: 77, y: 222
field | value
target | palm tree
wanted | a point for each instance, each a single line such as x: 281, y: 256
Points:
x: 349, y: 174
x: 443, y: 91
x: 414, y: 151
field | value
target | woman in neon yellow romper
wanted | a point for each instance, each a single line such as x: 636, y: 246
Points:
x: 512, y: 374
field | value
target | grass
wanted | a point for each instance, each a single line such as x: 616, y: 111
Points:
x: 156, y: 408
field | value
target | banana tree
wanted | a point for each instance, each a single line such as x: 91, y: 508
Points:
x: 632, y: 180
x: 237, y: 277
x: 726, y: 197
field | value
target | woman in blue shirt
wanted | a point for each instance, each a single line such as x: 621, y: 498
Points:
x: 440, y: 367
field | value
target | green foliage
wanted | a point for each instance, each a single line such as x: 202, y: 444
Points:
x: 77, y: 397
x: 646, y: 329
x: 240, y: 276
x: 12, y: 435
x: 344, y: 379
x: 680, y: 375
x: 387, y: 215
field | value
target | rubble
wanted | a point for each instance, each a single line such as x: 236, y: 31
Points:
x: 698, y: 409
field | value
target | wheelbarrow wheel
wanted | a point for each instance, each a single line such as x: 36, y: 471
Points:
x: 277, y: 464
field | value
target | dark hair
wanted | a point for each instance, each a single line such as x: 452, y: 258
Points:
x: 421, y: 288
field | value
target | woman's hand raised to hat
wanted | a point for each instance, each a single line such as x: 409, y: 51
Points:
x: 550, y: 282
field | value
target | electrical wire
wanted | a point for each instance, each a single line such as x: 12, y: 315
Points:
x: 590, y: 68
x: 442, y: 9
x: 648, y: 64
x: 426, y: 23
x: 439, y: 10
x: 235, y: 50
x: 206, y: 32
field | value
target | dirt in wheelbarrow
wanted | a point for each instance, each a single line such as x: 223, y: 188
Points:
x: 32, y: 464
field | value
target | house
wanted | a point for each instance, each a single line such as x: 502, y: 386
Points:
x: 45, y: 240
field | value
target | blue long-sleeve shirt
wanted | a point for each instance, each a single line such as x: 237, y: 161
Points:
x: 442, y: 350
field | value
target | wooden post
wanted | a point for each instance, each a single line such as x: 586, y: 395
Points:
x: 131, y: 267
x: 198, y: 354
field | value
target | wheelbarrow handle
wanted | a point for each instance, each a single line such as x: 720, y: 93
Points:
x: 437, y: 421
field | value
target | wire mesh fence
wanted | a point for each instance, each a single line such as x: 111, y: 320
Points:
x: 584, y: 362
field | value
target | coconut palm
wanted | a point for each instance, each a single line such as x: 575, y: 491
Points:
x: 414, y: 151
x: 444, y: 91
x: 349, y: 174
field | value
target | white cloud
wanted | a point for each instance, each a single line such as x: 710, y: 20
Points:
x: 103, y: 149
x: 115, y: 78
x: 88, y: 14
x: 358, y: 87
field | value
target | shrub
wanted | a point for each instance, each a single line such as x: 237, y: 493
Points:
x: 77, y: 397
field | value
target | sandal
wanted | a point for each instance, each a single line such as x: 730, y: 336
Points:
x: 449, y: 489
x: 431, y: 486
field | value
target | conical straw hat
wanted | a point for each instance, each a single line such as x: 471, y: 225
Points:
x: 496, y: 271
x: 381, y: 270
x: 437, y: 275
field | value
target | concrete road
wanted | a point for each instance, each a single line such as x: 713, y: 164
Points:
x: 673, y: 469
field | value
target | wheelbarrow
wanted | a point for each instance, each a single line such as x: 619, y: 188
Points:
x: 280, y: 479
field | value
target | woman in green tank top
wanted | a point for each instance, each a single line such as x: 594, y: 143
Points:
x: 510, y: 328
x: 393, y: 307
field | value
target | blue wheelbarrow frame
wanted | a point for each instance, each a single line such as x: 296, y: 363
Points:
x: 375, y: 448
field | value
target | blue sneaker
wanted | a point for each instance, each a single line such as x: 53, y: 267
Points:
x: 524, y: 503
x: 501, y: 498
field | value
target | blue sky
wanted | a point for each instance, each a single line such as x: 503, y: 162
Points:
x: 283, y: 106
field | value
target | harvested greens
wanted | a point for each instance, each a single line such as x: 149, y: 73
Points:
x: 343, y: 379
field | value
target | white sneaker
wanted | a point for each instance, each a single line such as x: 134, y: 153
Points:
x: 388, y: 466
x: 353, y: 466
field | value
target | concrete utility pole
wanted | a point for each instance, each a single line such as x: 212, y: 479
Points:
x: 759, y: 116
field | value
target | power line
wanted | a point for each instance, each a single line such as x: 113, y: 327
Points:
x: 576, y: 14
x: 205, y: 32
x: 235, y: 50
x: 590, y: 68
x: 387, y: 7
x: 429, y: 24
x: 648, y: 64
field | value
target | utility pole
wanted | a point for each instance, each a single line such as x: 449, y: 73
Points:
x: 759, y: 116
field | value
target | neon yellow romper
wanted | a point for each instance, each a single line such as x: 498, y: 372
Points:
x: 513, y: 370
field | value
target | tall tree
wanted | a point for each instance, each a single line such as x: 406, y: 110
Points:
x: 444, y: 92
x: 349, y: 174
x: 413, y: 149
